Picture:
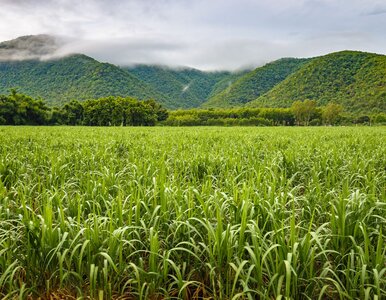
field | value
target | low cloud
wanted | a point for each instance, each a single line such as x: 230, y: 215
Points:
x: 29, y: 47
x: 216, y: 34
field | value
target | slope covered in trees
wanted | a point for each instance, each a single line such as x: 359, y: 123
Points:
x: 355, y: 80
x: 73, y: 77
x: 32, y: 65
x: 188, y: 87
x: 255, y: 83
x: 227, y: 82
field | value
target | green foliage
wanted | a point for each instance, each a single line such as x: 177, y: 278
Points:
x: 70, y: 114
x: 74, y: 77
x: 186, y: 87
x: 303, y: 111
x: 117, y: 111
x: 230, y: 117
x: 255, y: 83
x: 379, y: 118
x: 226, y: 82
x: 355, y: 80
x: 18, y: 109
x: 192, y: 213
x: 331, y: 113
x: 110, y: 111
x: 81, y: 77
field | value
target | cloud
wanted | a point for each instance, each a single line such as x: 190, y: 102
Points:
x: 376, y: 10
x: 207, y: 34
x: 30, y: 47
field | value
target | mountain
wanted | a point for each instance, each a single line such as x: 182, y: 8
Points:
x: 32, y: 65
x: 356, y: 80
x: 29, y: 47
x: 227, y: 82
x: 255, y: 83
x: 73, y: 77
x: 190, y: 87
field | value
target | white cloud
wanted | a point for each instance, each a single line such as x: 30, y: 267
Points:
x: 209, y: 34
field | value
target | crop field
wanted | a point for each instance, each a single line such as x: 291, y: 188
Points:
x: 192, y: 213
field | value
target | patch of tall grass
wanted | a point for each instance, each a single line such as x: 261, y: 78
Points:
x: 193, y: 213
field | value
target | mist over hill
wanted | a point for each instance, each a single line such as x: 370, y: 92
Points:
x: 29, y: 47
x: 38, y: 66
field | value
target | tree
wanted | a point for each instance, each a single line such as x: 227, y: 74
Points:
x: 162, y: 113
x: 303, y: 111
x: 72, y: 113
x: 19, y: 109
x: 379, y: 118
x: 363, y: 119
x: 117, y: 111
x: 8, y: 110
x: 309, y: 110
x: 297, y: 109
x: 331, y: 113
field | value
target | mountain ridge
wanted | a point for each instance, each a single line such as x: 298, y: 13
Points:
x: 74, y: 76
x: 255, y: 83
x: 354, y: 79
x: 191, y: 86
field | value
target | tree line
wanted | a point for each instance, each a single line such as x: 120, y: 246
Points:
x: 20, y: 109
x: 301, y: 113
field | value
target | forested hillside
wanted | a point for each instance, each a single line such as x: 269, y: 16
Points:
x: 74, y: 77
x: 255, y: 83
x: 227, y: 82
x: 187, y: 87
x: 356, y: 80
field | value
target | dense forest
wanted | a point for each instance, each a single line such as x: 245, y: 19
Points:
x: 73, y: 77
x: 82, y: 77
x: 255, y: 83
x: 356, y: 80
x: 20, y: 109
x: 191, y: 87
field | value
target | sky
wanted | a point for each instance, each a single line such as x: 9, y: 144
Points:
x: 205, y: 34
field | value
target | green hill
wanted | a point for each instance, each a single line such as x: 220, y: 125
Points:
x: 73, y: 77
x: 188, y: 87
x: 356, y: 80
x: 255, y: 83
x: 227, y: 82
x: 27, y: 63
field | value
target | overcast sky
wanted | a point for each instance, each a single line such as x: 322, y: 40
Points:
x: 206, y: 34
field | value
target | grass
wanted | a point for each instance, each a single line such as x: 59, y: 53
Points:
x: 192, y: 213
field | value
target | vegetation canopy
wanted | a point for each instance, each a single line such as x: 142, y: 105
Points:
x: 19, y: 109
